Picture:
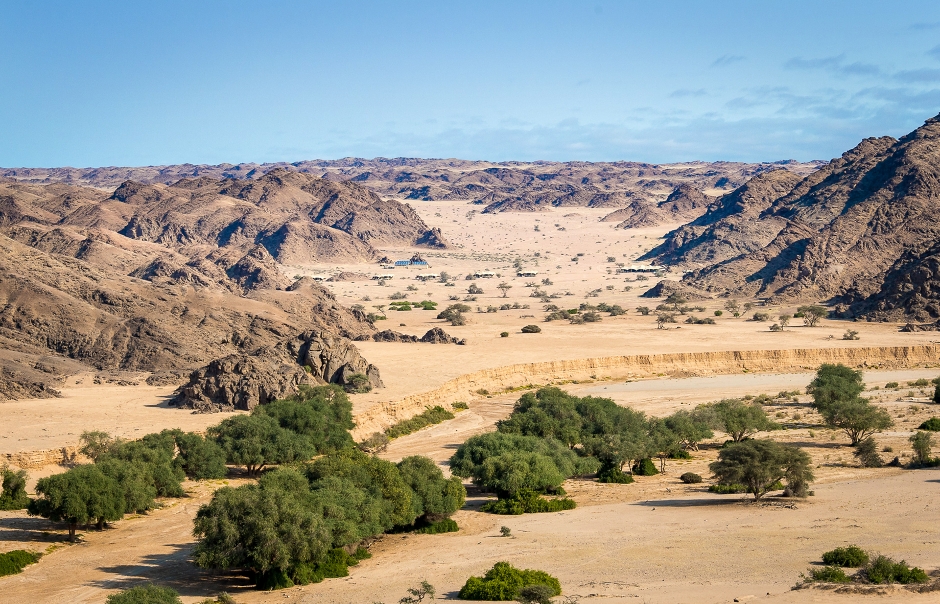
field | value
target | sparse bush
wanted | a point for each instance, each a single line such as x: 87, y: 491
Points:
x: 505, y: 531
x: 850, y: 334
x: 398, y: 296
x: 145, y: 594
x: 866, y: 452
x: 531, y: 329
x: 919, y: 383
x: 527, y: 502
x: 505, y: 583
x: 932, y: 424
x: 891, y: 385
x: 441, y: 526
x: 504, y: 334
x: 474, y: 289
x: 884, y: 570
x: 846, y: 557
x: 760, y: 316
x: 922, y: 442
x: 377, y: 443
x: 643, y: 310
x: 690, y: 478
x: 828, y: 574
x: 611, y: 474
x: 13, y: 562
x: 460, y: 406
x: 645, y: 467
x: 727, y: 489
x: 428, y: 417
x: 591, y: 317
x: 357, y: 383
x: 776, y: 327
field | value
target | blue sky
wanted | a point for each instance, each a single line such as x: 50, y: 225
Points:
x: 128, y: 83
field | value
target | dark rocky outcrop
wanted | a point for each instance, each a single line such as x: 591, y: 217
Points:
x: 272, y: 372
x: 664, y: 289
x: 436, y: 335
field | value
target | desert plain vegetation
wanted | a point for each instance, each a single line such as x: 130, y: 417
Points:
x: 589, y: 399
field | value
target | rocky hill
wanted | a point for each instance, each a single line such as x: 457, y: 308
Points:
x: 166, y: 278
x: 503, y: 186
x: 684, y: 204
x: 862, y: 233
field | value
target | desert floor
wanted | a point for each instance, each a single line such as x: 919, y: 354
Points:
x: 657, y: 540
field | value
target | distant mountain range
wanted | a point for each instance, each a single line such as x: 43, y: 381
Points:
x: 500, y: 187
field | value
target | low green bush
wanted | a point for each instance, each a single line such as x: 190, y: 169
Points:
x: 531, y: 329
x: 614, y: 475
x: 849, y: 557
x: 442, y: 526
x: 460, y: 406
x: 679, y: 454
x: 504, y: 334
x: 145, y: 594
x: 884, y: 570
x: 527, y: 502
x: 430, y: 416
x: 505, y: 583
x: 828, y: 574
x: 727, y: 489
x: 690, y: 478
x: 15, y: 561
x: 645, y: 467
x: 932, y: 424
x: 891, y: 385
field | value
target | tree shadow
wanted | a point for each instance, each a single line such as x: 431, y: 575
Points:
x: 176, y: 570
x: 689, y: 503
x: 164, y: 403
x: 32, y: 530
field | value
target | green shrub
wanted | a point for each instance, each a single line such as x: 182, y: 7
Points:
x: 430, y: 416
x: 867, y: 453
x: 932, y: 424
x: 15, y: 561
x: 145, y: 594
x: 690, y: 478
x: 884, y: 570
x: 890, y: 385
x: 527, y: 502
x: 441, y: 526
x: 614, y: 475
x: 848, y: 557
x: 531, y: 329
x: 13, y: 496
x: 828, y: 574
x: 505, y: 583
x: 921, y: 383
x: 460, y: 406
x: 645, y: 467
x: 727, y: 489
x: 504, y: 334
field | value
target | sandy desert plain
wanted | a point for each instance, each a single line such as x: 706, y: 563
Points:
x: 657, y: 540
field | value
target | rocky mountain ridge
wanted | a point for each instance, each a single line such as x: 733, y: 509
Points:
x: 861, y: 233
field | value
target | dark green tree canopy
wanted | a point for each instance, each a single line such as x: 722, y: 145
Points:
x: 322, y: 414
x: 433, y: 496
x: 255, y: 441
x: 758, y: 464
x: 834, y: 384
x: 505, y: 463
x: 81, y: 495
x: 13, y: 495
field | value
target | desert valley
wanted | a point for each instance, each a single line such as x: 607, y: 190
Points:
x: 615, y: 333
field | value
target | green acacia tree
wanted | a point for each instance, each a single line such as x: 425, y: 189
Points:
x: 858, y: 418
x: 13, y: 496
x: 690, y: 428
x: 433, y: 496
x: 200, y: 458
x: 81, y: 495
x: 255, y: 441
x: 812, y: 314
x: 321, y: 414
x: 835, y: 383
x: 737, y: 419
x: 759, y: 464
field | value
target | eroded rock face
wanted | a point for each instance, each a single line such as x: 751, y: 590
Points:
x: 243, y: 381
